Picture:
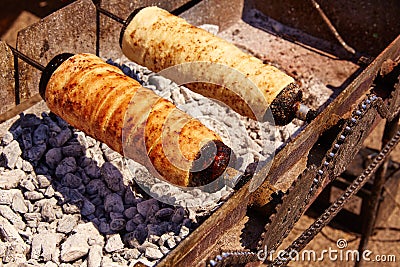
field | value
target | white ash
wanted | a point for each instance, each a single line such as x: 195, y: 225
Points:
x: 76, y: 202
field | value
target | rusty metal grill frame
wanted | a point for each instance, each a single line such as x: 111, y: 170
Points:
x: 101, y: 37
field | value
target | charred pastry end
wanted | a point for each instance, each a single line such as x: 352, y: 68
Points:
x: 49, y: 70
x: 284, y: 105
x: 210, y: 166
x: 287, y: 106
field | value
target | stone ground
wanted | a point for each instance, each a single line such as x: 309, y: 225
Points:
x: 15, y: 16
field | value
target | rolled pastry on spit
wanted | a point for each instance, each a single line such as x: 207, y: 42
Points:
x: 113, y: 108
x: 159, y: 40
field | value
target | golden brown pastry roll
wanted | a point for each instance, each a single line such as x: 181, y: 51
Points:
x: 159, y: 40
x: 100, y: 100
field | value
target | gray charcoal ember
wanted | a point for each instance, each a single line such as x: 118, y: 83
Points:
x: 140, y: 233
x: 7, y: 138
x: 40, y: 135
x: 14, y: 218
x: 117, y: 224
x: 61, y: 138
x: 112, y: 176
x: 113, y: 202
x: 15, y: 254
x: 178, y: 98
x: 152, y: 220
x: 26, y: 235
x: 11, y: 153
x: 151, y: 213
x: 130, y: 212
x: 116, y: 215
x: 171, y: 243
x: 18, y: 164
x: 42, y: 169
x: 100, y: 212
x: 71, y: 180
x: 96, y: 200
x: 187, y: 222
x: 104, y: 228
x: 92, y: 170
x: 27, y: 184
x: 131, y: 253
x: 94, y: 186
x: 70, y: 208
x: 67, y: 223
x: 178, y: 215
x: 143, y: 261
x: 33, y: 195
x: 163, y: 238
x: 53, y: 127
x: 30, y: 120
x: 44, y: 246
x: 159, y: 81
x: 184, y: 232
x: 85, y: 178
x: 49, y: 192
x: 144, y: 206
x: 74, y: 248
x: 10, y: 234
x: 164, y: 214
x: 84, y: 161
x: 54, y: 157
x: 95, y: 154
x: 62, y: 194
x: 48, y: 211
x: 95, y: 256
x: 72, y: 150
x: 130, y: 226
x: 76, y: 197
x: 154, y: 229
x: 91, y: 141
x: 44, y: 180
x: 67, y: 165
x: 91, y: 232
x: 111, y: 155
x: 26, y: 166
x: 35, y: 153
x: 113, y: 243
x: 153, y: 253
x: 96, y: 221
x: 131, y: 241
x: 81, y: 138
x: 88, y: 208
x: 5, y: 197
x: 73, y: 142
x: 16, y: 130
x: 32, y: 219
x: 129, y: 197
x: 164, y: 250
x: 51, y: 264
x: 138, y: 219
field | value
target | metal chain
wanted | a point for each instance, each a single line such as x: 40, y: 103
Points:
x: 236, y: 257
x: 331, y: 212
